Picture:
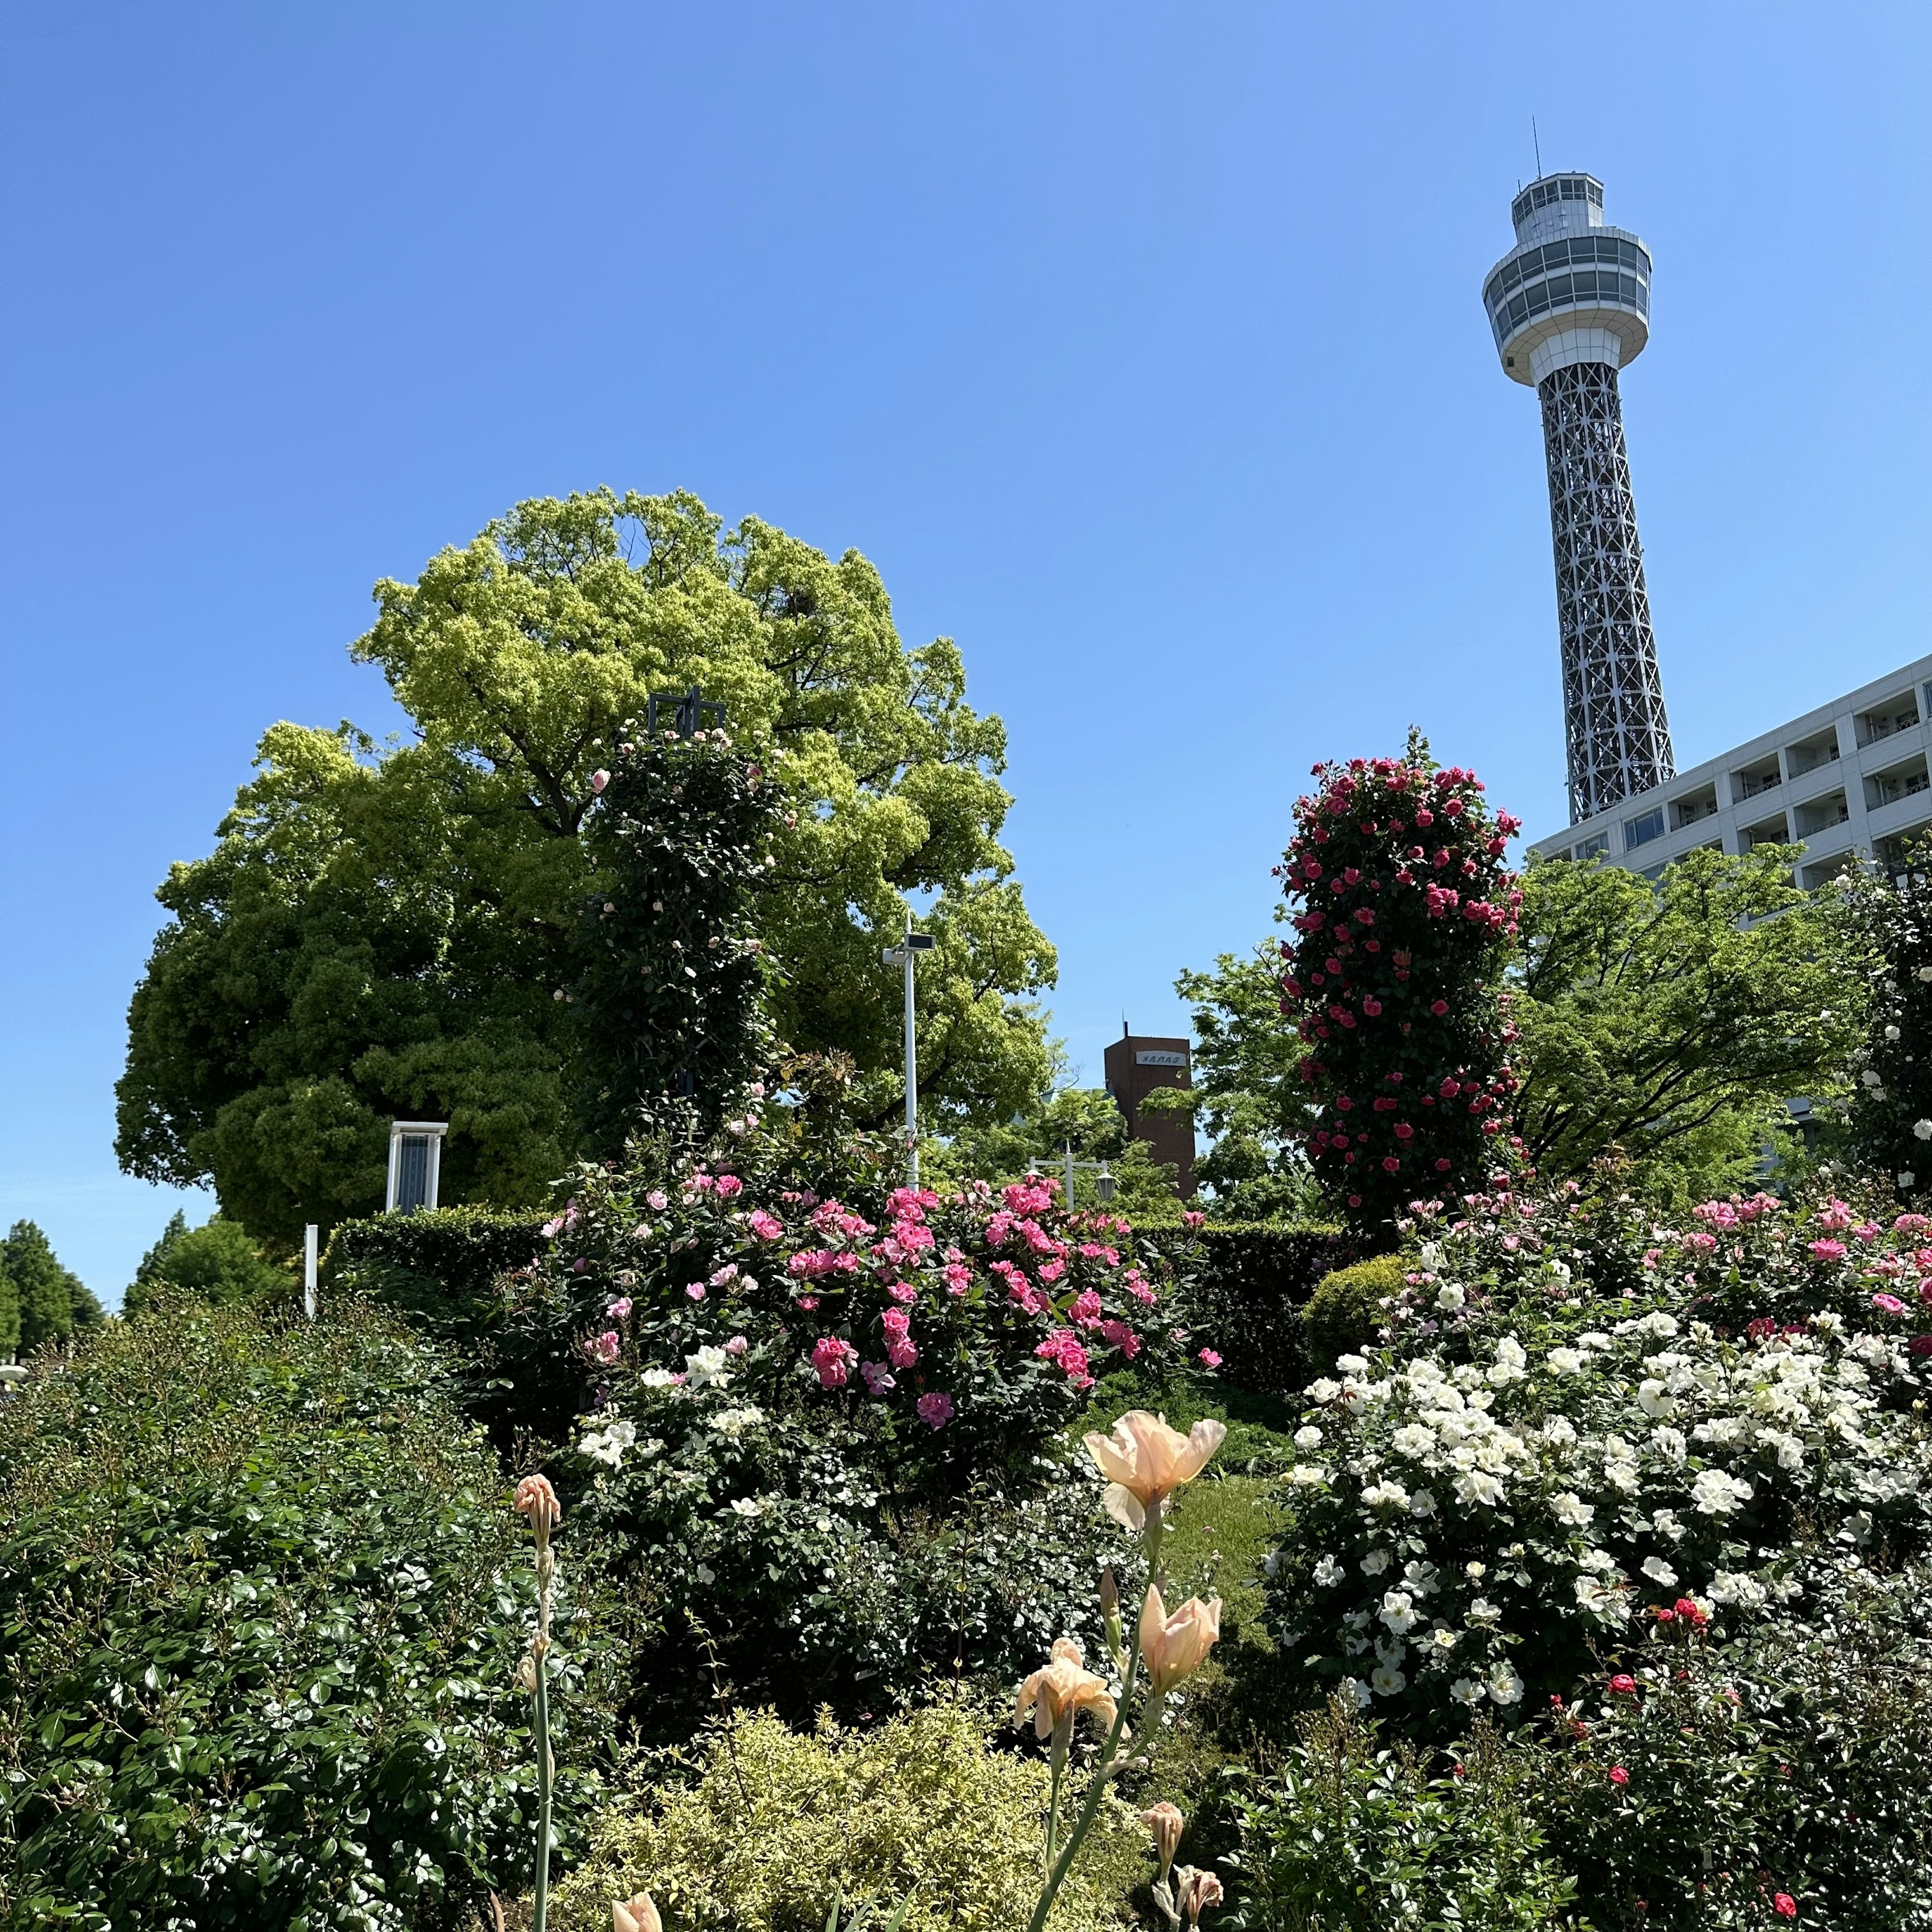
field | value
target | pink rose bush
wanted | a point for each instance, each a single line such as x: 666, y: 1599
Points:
x: 1405, y: 911
x: 827, y: 1420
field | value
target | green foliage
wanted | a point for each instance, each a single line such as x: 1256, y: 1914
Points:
x: 670, y: 996
x: 1345, y: 1314
x: 1407, y: 917
x: 1249, y: 1094
x: 10, y: 1314
x: 831, y: 1436
x: 1531, y: 1462
x: 1246, y: 1289
x: 773, y: 1825
x: 1671, y: 1021
x: 1888, y: 1083
x: 52, y: 1302
x: 1791, y: 1761
x: 261, y: 1596
x: 1035, y: 1139
x: 1352, y: 1834
x: 380, y: 932
x: 217, y: 1263
x: 464, y: 1277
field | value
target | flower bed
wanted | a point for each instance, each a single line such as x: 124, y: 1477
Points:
x: 1528, y: 1469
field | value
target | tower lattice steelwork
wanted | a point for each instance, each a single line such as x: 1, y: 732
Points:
x: 1570, y: 306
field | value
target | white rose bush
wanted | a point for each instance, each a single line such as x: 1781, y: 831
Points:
x: 1528, y: 1472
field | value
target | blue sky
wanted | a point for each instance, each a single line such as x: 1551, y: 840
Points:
x: 1141, y: 349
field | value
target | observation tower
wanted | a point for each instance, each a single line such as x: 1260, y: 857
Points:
x: 1570, y: 306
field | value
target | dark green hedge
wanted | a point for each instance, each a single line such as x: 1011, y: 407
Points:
x: 1246, y: 1289
x: 262, y: 1593
x: 463, y: 1276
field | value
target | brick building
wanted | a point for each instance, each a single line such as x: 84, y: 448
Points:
x: 1136, y: 1064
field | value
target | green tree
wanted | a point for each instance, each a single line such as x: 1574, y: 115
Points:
x: 1888, y: 1090
x: 673, y: 989
x: 382, y: 931
x: 217, y: 1262
x: 10, y: 1313
x: 53, y: 1301
x: 1672, y: 1020
x: 1035, y: 1139
x: 1248, y: 1094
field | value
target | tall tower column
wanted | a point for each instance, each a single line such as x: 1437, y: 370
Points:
x: 1570, y: 305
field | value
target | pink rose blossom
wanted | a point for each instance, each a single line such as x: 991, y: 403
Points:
x: 657, y: 1200
x: 598, y: 780
x: 729, y: 1186
x: 736, y: 1345
x: 833, y: 1359
x: 696, y: 1290
x: 877, y: 1380
x: 604, y: 1348
x: 619, y: 1308
x: 766, y: 1227
x: 935, y: 1410
x: 1829, y: 1250
x: 1889, y: 1304
x: 1208, y: 1359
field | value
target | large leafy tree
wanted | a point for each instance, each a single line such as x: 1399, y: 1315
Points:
x: 382, y: 931
x: 217, y: 1263
x: 52, y: 1301
x: 1672, y: 1020
x: 1248, y: 1093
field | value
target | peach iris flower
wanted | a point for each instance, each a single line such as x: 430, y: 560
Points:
x: 1173, y: 1644
x: 1059, y: 1693
x: 1144, y: 1462
x: 636, y: 1915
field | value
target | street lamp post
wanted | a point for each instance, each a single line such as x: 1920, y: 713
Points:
x: 903, y: 954
x: 1103, y: 1178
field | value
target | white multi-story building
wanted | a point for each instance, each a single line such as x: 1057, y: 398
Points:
x: 1845, y: 781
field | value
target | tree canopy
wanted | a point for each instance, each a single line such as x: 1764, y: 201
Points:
x: 40, y: 1301
x: 1672, y: 1020
x: 217, y: 1262
x: 382, y: 929
x: 1248, y: 1093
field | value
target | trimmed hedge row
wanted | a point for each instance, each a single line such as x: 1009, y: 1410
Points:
x: 464, y: 1277
x: 1250, y: 1283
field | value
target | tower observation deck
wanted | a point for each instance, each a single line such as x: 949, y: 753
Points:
x: 1570, y: 306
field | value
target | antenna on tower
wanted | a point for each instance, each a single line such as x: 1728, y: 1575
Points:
x: 1535, y: 142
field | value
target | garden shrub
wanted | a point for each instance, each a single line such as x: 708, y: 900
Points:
x: 1246, y: 1284
x: 1531, y: 1465
x: 773, y: 1825
x: 1353, y: 1833
x: 1695, y: 1783
x: 1346, y: 1313
x: 834, y: 1444
x: 1407, y: 915
x: 262, y: 1595
x: 457, y: 1274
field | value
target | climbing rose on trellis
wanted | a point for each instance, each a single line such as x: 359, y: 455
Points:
x: 1407, y: 914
